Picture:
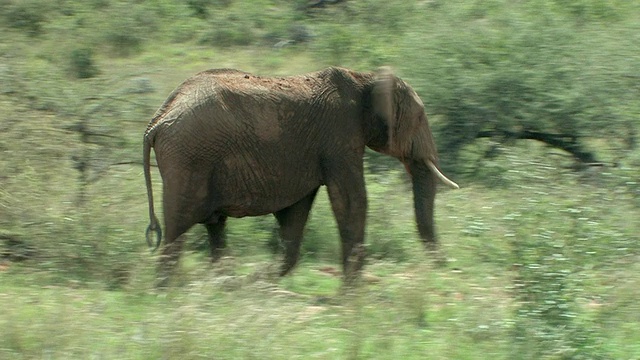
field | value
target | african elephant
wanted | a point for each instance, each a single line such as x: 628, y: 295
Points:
x: 229, y: 143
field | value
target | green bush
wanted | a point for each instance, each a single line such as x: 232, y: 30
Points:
x: 122, y: 42
x: 27, y: 16
x: 125, y: 29
x: 335, y: 44
x: 520, y: 68
x: 228, y: 36
x: 82, y: 65
x: 230, y: 29
x: 201, y: 8
x: 239, y: 25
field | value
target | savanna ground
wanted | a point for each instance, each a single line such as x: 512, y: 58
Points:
x: 542, y: 251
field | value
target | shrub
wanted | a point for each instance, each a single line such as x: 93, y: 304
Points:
x: 200, y: 8
x: 123, y: 42
x: 335, y: 44
x: 300, y: 33
x: 25, y: 16
x: 227, y: 34
x: 82, y: 63
x: 127, y: 28
x: 227, y: 37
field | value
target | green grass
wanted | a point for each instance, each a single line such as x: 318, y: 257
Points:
x: 254, y: 320
x: 501, y: 245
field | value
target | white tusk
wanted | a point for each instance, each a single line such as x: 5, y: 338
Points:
x: 441, y: 176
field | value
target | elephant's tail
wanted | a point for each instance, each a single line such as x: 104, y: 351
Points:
x: 154, y: 225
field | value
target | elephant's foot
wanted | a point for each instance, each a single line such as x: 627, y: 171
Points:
x: 162, y: 282
x: 218, y: 253
x: 286, y: 268
x: 352, y: 279
x: 436, y: 254
x: 290, y: 260
x: 166, y: 270
x: 353, y: 265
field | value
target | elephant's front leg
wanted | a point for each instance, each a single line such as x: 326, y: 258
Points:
x: 349, y: 203
x: 292, y: 221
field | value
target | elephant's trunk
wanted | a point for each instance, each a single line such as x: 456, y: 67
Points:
x: 423, y: 149
x: 424, y: 194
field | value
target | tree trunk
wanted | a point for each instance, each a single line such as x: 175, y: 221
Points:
x: 568, y: 143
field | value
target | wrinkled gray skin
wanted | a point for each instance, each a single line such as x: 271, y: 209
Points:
x: 231, y: 144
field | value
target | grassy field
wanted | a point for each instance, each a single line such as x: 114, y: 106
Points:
x: 544, y: 266
x: 542, y: 261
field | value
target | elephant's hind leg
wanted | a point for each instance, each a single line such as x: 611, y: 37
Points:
x: 217, y: 239
x: 170, y: 253
x: 181, y: 212
x: 292, y: 221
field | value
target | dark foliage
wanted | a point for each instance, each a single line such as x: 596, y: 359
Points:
x: 82, y: 63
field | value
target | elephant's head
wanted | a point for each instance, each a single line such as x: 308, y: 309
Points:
x: 399, y: 128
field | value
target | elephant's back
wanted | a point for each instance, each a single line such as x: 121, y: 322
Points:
x: 192, y: 94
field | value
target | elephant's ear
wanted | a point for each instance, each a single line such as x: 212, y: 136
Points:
x: 383, y: 103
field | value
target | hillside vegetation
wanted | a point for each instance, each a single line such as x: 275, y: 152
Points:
x: 535, y: 106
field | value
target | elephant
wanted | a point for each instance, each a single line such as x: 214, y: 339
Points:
x: 232, y: 144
